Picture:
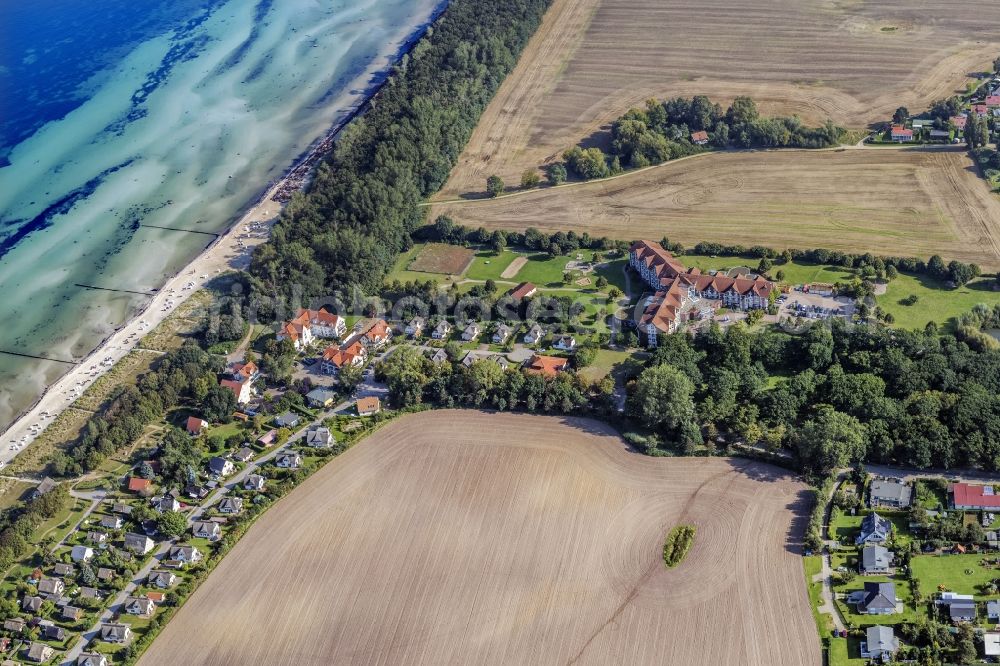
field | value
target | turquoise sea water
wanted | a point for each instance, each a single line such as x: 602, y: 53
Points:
x: 174, y: 113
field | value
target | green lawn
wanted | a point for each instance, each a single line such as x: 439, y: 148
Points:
x: 812, y: 565
x: 605, y: 360
x: 845, y: 528
x: 794, y: 272
x: 846, y: 652
x: 852, y: 617
x: 935, y: 302
x: 950, y: 571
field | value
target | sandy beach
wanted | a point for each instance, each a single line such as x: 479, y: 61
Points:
x: 231, y: 251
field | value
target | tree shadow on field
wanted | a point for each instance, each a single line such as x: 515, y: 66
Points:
x: 599, y: 139
x: 799, y: 507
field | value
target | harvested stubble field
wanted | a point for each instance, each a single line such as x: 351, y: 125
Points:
x: 893, y: 201
x: 853, y: 61
x: 458, y: 537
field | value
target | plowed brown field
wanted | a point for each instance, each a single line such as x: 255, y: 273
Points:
x: 461, y: 537
x: 892, y: 201
x: 854, y: 61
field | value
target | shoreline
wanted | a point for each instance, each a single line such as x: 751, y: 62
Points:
x: 228, y: 251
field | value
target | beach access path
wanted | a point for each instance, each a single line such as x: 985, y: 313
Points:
x: 230, y: 251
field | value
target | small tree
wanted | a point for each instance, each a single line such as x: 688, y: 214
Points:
x: 171, y: 523
x: 494, y: 186
x: 530, y: 179
x: 557, y: 173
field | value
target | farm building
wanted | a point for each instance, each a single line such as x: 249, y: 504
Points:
x: 969, y: 497
x: 523, y: 290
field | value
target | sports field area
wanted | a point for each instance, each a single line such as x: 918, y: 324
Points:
x: 466, y: 537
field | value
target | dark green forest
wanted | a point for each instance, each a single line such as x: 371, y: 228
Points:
x: 360, y: 209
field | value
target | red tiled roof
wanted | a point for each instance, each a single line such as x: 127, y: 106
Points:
x: 958, y: 121
x: 245, y: 370
x: 548, y: 366
x: 972, y: 495
x: 901, y: 131
x: 369, y: 404
x: 340, y: 357
x: 699, y: 136
x: 234, y: 386
x: 523, y: 290
x: 194, y: 425
x: 137, y: 484
x: 378, y: 331
x: 993, y: 100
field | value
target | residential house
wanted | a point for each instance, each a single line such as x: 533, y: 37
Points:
x: 534, y: 335
x: 368, y: 406
x: 891, y: 493
x: 91, y: 659
x: 115, y: 632
x: 51, y: 632
x: 439, y: 356
x: 181, y: 555
x: 962, y: 611
x: 81, y: 553
x: 415, y: 327
x: 43, y: 488
x: 243, y: 455
x: 940, y: 135
x: 502, y: 333
x: 63, y: 569
x: 243, y: 390
x: 161, y: 579
x: 991, y: 645
x: 441, y: 331
x: 310, y: 324
x: 244, y: 372
x: 547, y: 366
x: 319, y: 437
x: 195, y: 425
x: 981, y: 110
x: 959, y: 122
x: 290, y: 460
x: 321, y: 397
x: 71, y: 613
x: 268, y: 438
x: 876, y: 560
x: 874, y: 529
x: 138, y: 543
x: 31, y: 604
x: 137, y: 484
x: 94, y: 536
x: 471, y: 332
x: 231, y: 505
x: 220, y: 467
x: 880, y: 643
x: 699, y: 138
x: 374, y: 334
x: 485, y: 355
x: 678, y: 290
x: 878, y: 599
x: 38, y: 652
x: 287, y: 420
x: 993, y: 611
x: 523, y: 290
x: 15, y: 625
x: 992, y: 101
x: 900, y: 134
x: 206, y: 529
x: 565, y: 343
x: 196, y: 491
x: 112, y: 522
x: 90, y: 593
x: 122, y: 508
x: 165, y: 503
x: 51, y: 586
x: 971, y: 497
x: 105, y: 574
x: 334, y: 359
x: 254, y: 482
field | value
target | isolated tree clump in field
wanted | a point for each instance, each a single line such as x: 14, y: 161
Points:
x: 494, y: 186
x: 678, y: 543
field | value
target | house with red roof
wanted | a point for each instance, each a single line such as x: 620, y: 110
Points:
x: 992, y: 101
x: 242, y: 390
x: 901, y: 134
x: 137, y: 484
x: 973, y: 497
x: 311, y: 324
x: 547, y: 366
x: 981, y: 110
x: 523, y: 290
x: 678, y: 289
x: 699, y: 138
x: 195, y: 425
x: 958, y: 122
x: 348, y: 355
x: 244, y: 372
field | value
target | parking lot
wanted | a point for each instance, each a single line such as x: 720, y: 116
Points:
x: 814, y: 306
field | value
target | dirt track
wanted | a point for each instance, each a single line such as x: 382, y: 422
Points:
x: 889, y: 201
x: 468, y: 538
x: 848, y: 60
